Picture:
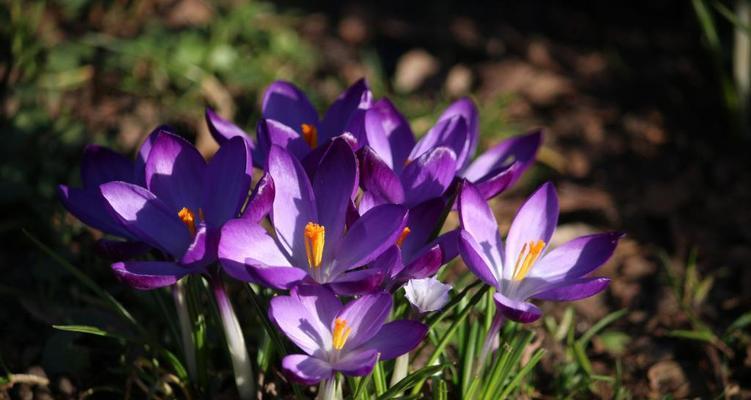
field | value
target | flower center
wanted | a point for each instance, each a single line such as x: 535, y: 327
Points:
x: 526, y: 259
x: 403, y: 236
x: 315, y: 238
x: 189, y: 219
x: 341, y: 333
x: 310, y: 134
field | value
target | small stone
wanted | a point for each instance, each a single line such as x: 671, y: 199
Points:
x: 667, y: 377
x: 413, y: 69
x: 459, y: 80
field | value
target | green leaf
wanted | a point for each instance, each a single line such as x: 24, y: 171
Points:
x: 703, y: 335
x: 89, y: 330
x: 526, y: 369
x: 600, y: 325
x: 379, y: 378
x: 410, y: 381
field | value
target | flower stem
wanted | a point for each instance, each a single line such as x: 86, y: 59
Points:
x: 329, y: 390
x: 235, y: 340
x: 401, y: 367
x: 492, y: 335
x: 186, y: 330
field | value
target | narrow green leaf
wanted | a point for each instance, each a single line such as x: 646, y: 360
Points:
x: 379, y: 378
x: 600, y: 325
x: 523, y: 372
x: 89, y: 330
x: 442, y: 391
x: 704, y: 336
x: 409, y: 381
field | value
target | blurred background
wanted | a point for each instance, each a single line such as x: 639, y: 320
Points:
x: 644, y: 106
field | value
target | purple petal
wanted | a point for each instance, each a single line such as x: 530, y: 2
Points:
x: 575, y: 289
x: 120, y: 250
x: 143, y: 153
x: 271, y: 132
x: 285, y: 103
x: 423, y: 222
x: 497, y: 183
x: 223, y: 130
x: 378, y: 179
x: 357, y: 362
x: 356, y: 127
x: 370, y: 236
x: 425, y: 264
x: 101, y: 165
x: 91, y: 209
x: 451, y: 133
x: 203, y: 249
x: 465, y: 108
x: 146, y: 217
x: 320, y: 302
x: 277, y: 277
x: 301, y: 326
x: 519, y: 311
x: 337, y: 116
x: 535, y: 220
x: 306, y: 369
x: 389, y: 134
x: 147, y: 275
x: 365, y: 316
x: 518, y: 149
x: 428, y: 176
x: 368, y: 201
x: 576, y: 258
x: 174, y: 172
x: 475, y: 258
x: 397, y: 338
x: 358, y: 282
x: 333, y: 185
x: 294, y: 203
x: 227, y: 182
x: 476, y: 217
x: 261, y: 200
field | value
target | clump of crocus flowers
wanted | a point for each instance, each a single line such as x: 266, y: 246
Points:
x: 348, y: 211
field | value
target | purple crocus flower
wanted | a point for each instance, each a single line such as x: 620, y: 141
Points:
x: 427, y: 294
x: 290, y: 120
x: 101, y: 165
x: 393, y: 147
x: 522, y: 269
x: 310, y: 241
x: 181, y: 209
x: 346, y: 338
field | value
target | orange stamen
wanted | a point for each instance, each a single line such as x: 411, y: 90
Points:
x: 310, y: 134
x: 527, y: 256
x: 341, y: 333
x: 403, y: 236
x: 188, y: 219
x: 315, y: 238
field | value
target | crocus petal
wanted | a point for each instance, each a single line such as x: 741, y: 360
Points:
x: 174, y: 172
x: 476, y: 217
x: 299, y: 324
x: 90, y: 208
x: 203, y: 249
x: 427, y: 295
x: 425, y: 264
x: 147, y: 275
x: 261, y: 200
x: 294, y: 203
x: 227, y: 182
x: 535, y: 220
x: 465, y: 108
x: 357, y: 362
x: 497, y: 183
x: 379, y: 179
x: 147, y: 217
x: 272, y: 132
x: 518, y: 149
x: 369, y: 236
x: 515, y: 310
x: 476, y: 259
x: 320, y: 302
x: 423, y: 222
x: 358, y: 282
x: 284, y: 102
x: 101, y: 165
x: 397, y: 338
x: 333, y: 185
x: 576, y: 258
x: 575, y: 289
x: 143, y: 153
x: 451, y: 133
x: 337, y: 116
x: 368, y: 200
x: 306, y: 369
x: 223, y: 130
x: 390, y: 262
x: 245, y: 248
x: 429, y: 175
x: 365, y: 316
x: 389, y: 134
x: 449, y: 243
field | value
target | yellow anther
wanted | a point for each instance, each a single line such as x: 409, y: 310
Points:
x: 403, y: 236
x: 527, y: 256
x: 315, y: 238
x: 189, y: 219
x: 341, y: 333
x: 310, y: 134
